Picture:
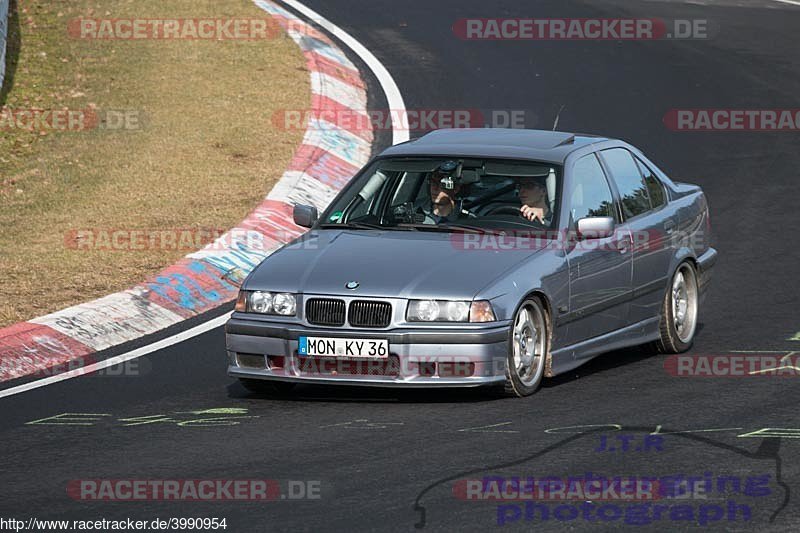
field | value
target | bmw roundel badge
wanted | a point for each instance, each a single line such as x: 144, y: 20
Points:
x: 351, y: 285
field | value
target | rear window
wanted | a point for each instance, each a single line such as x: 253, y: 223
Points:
x: 655, y: 188
x: 630, y: 184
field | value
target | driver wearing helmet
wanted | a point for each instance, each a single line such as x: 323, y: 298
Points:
x: 445, y: 186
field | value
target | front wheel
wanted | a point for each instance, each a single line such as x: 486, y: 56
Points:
x: 528, y: 345
x: 679, y: 311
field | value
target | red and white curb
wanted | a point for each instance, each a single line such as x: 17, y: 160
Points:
x: 327, y: 157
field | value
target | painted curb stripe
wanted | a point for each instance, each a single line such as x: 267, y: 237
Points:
x: 26, y: 348
x: 327, y: 157
x: 355, y: 122
x: 304, y: 189
x: 111, y: 320
x: 341, y: 143
x: 304, y: 29
x: 324, y: 166
x: 390, y: 89
x: 335, y: 89
x: 325, y: 66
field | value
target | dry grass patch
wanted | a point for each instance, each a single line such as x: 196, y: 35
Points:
x: 204, y: 154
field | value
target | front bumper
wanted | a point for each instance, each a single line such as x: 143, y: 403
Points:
x: 425, y: 357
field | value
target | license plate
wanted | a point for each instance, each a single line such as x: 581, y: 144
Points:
x: 334, y: 347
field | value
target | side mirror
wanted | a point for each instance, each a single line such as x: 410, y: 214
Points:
x: 305, y: 215
x: 595, y: 227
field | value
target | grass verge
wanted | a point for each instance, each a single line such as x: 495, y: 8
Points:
x: 185, y: 140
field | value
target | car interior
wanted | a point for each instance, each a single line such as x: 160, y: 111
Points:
x: 487, y: 195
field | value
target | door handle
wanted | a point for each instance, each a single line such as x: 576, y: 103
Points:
x: 669, y: 227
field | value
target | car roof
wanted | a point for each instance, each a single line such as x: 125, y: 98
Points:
x: 537, y: 145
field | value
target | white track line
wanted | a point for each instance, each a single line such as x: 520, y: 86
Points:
x: 791, y: 2
x: 393, y: 97
x: 396, y: 105
x: 138, y: 352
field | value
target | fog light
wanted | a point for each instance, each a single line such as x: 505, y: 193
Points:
x: 275, y: 361
x: 458, y: 369
x: 427, y: 369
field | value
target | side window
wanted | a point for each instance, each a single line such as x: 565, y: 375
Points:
x: 655, y: 188
x: 631, y: 186
x: 590, y: 195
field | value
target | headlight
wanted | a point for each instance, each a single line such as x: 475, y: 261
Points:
x: 284, y: 304
x: 424, y: 310
x: 260, y: 302
x: 457, y: 311
x: 449, y: 311
x: 279, y: 303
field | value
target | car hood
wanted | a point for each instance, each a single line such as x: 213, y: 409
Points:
x: 404, y: 264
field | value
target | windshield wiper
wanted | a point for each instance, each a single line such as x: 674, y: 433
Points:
x: 353, y: 225
x: 466, y: 227
x: 448, y: 228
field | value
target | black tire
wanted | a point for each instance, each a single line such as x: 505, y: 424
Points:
x: 260, y: 386
x: 677, y: 336
x: 521, y: 382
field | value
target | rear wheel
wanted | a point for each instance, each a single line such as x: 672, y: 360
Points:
x: 528, y: 347
x: 679, y: 311
x: 261, y: 386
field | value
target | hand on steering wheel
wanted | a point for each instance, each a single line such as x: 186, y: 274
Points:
x: 527, y: 214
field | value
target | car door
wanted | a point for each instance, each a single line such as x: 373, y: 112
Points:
x: 599, y: 269
x: 642, y: 199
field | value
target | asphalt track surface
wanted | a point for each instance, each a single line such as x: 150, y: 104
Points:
x: 387, y: 460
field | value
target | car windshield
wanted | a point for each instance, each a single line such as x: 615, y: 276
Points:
x: 449, y: 194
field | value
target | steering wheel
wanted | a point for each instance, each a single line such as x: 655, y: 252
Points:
x: 511, y: 210
x: 505, y: 210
